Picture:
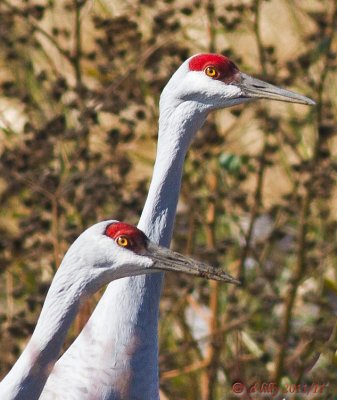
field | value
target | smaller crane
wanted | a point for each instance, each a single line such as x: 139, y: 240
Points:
x: 106, y: 251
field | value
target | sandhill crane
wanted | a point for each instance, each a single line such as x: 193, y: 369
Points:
x: 116, y: 356
x: 91, y: 262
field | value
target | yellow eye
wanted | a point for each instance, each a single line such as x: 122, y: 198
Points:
x: 211, y: 72
x: 122, y: 241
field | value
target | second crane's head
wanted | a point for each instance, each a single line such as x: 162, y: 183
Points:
x: 112, y: 250
x: 213, y: 81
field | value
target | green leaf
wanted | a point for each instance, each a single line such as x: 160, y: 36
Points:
x: 230, y: 162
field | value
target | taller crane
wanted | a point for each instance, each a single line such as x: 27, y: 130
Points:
x: 116, y: 355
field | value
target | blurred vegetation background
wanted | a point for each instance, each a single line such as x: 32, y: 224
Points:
x: 79, y: 89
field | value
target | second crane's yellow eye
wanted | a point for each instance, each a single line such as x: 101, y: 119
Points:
x: 211, y: 72
x: 122, y: 241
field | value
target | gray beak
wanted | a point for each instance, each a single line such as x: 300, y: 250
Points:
x: 255, y: 89
x: 168, y: 260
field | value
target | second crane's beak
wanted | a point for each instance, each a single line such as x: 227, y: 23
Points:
x: 253, y: 88
x: 168, y: 260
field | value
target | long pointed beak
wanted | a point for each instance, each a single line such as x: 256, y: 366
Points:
x: 255, y: 88
x: 168, y: 260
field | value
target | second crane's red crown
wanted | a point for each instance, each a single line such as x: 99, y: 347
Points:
x: 136, y: 239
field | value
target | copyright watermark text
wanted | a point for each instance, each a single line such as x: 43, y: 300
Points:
x: 271, y: 388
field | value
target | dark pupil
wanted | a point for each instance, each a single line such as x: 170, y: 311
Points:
x: 123, y: 240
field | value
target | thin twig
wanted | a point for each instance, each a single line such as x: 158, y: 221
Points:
x: 185, y: 370
x: 213, y: 351
x: 77, y: 54
x: 262, y: 160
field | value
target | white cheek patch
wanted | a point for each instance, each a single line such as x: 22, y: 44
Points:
x: 199, y: 87
x: 130, y: 264
x: 232, y: 91
x: 121, y: 261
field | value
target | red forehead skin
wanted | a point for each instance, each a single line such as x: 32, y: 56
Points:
x: 136, y: 237
x: 227, y: 70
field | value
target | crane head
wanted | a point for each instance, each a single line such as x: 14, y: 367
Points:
x: 147, y: 257
x: 113, y: 250
x: 214, y: 81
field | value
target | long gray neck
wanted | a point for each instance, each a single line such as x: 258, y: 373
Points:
x: 158, y: 215
x: 29, y: 374
x: 177, y: 128
x: 157, y: 221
